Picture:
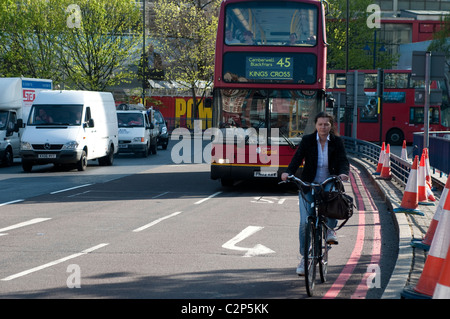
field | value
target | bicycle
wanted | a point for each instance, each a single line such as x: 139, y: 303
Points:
x: 316, y: 246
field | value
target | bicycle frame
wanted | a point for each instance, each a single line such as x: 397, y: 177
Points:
x: 316, y: 247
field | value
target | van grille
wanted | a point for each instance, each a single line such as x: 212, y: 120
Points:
x: 47, y: 147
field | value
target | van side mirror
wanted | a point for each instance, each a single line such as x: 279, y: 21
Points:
x: 18, y: 125
x: 89, y: 123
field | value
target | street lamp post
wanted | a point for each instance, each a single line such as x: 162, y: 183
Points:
x: 143, y: 54
x: 374, y: 52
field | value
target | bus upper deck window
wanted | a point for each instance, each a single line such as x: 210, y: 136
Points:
x: 271, y: 23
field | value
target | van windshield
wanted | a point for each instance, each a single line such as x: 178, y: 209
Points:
x: 130, y: 119
x: 55, y: 115
x: 3, y: 119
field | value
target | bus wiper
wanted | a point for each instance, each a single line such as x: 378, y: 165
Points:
x: 283, y: 134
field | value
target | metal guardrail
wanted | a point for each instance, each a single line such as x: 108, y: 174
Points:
x: 370, y: 152
x: 439, y: 143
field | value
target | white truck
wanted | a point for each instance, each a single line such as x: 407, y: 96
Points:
x: 138, y: 132
x: 70, y: 128
x: 16, y: 97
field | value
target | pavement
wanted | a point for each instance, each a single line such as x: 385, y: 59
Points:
x: 411, y: 260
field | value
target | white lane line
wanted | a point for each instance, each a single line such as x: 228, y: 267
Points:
x: 162, y: 194
x: 209, y: 197
x: 30, y: 222
x: 69, y: 189
x: 153, y: 223
x: 12, y: 202
x: 29, y: 271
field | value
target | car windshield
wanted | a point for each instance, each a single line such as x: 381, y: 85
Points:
x: 158, y: 117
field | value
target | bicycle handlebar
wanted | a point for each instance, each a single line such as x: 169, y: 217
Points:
x: 298, y: 181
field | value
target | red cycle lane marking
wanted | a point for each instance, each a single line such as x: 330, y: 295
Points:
x: 357, y: 249
x: 363, y: 287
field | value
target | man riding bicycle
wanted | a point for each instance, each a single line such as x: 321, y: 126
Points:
x: 323, y: 153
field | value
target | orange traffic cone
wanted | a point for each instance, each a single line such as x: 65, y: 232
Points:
x: 442, y: 290
x: 430, y: 194
x: 438, y: 253
x: 386, y: 170
x: 425, y: 243
x: 404, y: 155
x: 380, y: 160
x: 410, y: 200
x: 422, y: 190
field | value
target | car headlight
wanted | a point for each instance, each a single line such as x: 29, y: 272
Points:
x: 139, y: 139
x: 164, y: 130
x: 25, y: 146
x: 70, y: 146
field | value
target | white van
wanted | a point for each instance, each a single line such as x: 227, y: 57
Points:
x: 70, y: 127
x: 136, y: 133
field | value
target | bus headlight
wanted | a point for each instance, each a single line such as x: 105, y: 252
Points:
x: 223, y: 161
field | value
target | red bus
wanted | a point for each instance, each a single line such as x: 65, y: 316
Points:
x: 269, y: 83
x: 402, y: 107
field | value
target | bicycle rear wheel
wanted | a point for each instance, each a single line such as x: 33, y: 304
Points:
x: 323, y: 251
x: 310, y: 256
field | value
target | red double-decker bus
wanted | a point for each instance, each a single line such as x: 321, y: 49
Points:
x: 402, y: 108
x: 269, y: 83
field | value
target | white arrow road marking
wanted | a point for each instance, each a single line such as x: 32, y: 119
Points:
x: 250, y: 252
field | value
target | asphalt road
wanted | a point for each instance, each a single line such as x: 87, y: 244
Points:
x: 149, y: 228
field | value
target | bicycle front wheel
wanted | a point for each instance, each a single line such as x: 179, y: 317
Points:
x: 310, y: 256
x: 323, y: 251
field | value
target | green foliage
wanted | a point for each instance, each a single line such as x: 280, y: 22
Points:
x: 441, y: 42
x: 186, y: 33
x: 88, y: 46
x: 360, y: 36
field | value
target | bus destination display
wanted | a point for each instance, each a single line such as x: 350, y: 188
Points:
x: 269, y: 68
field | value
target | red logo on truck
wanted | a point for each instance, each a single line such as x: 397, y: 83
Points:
x: 29, y: 95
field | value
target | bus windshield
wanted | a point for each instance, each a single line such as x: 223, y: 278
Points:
x: 271, y: 23
x: 290, y: 112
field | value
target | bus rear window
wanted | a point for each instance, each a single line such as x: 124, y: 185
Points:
x: 271, y: 23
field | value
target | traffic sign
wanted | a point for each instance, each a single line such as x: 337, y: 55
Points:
x: 436, y: 65
x: 350, y: 88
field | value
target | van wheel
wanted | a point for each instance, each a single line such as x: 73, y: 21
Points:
x: 108, y: 159
x: 146, y: 151
x: 8, y: 159
x: 82, y: 163
x: 27, y: 167
x: 153, y: 147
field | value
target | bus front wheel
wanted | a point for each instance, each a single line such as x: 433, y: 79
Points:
x: 395, y: 137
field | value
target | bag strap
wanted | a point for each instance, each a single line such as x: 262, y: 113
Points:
x: 341, y: 225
